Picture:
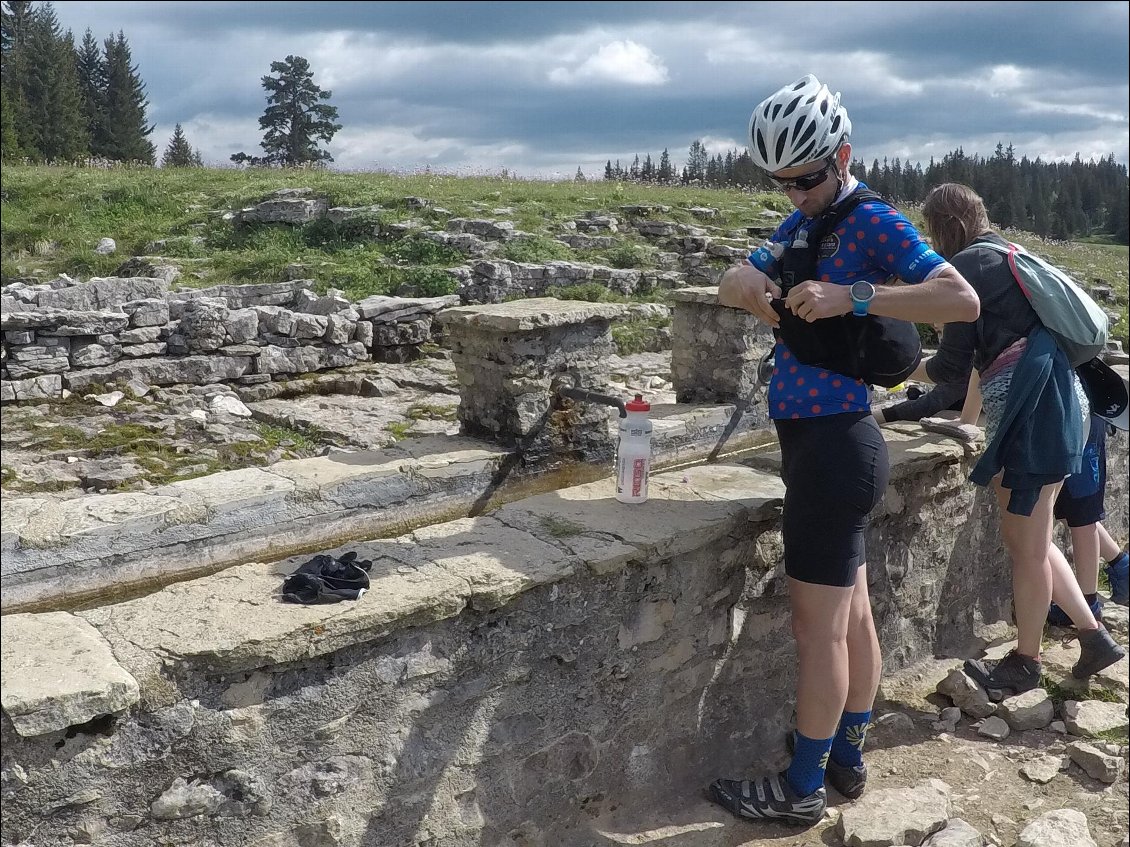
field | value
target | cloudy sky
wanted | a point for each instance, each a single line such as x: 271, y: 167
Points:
x: 542, y: 88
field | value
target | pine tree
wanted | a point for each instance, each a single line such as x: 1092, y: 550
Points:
x: 665, y: 173
x: 92, y: 87
x: 9, y: 135
x: 580, y: 175
x: 294, y: 119
x: 52, y: 127
x: 15, y: 19
x: 15, y: 22
x: 695, y: 170
x: 179, y: 153
x: 127, y: 129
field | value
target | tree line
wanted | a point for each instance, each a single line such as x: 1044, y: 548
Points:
x: 65, y: 103
x: 1061, y: 200
x: 62, y: 103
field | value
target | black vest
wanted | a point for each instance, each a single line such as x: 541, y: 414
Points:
x: 878, y: 350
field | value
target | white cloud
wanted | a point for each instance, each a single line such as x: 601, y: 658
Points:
x: 721, y: 146
x: 617, y: 62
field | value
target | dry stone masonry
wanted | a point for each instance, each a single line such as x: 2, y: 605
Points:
x: 64, y: 337
x: 509, y: 360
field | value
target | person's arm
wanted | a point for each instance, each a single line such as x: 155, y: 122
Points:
x: 971, y: 411
x: 954, y: 360
x: 943, y: 298
x: 939, y: 397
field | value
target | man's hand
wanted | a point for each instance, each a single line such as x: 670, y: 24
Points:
x: 814, y: 300
x: 745, y: 287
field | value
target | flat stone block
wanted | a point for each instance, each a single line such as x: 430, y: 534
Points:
x: 537, y: 313
x: 58, y: 672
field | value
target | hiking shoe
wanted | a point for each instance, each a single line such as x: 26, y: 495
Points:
x: 849, y: 781
x: 1058, y: 617
x: 768, y: 798
x: 1118, y: 573
x: 1097, y: 650
x: 1012, y: 675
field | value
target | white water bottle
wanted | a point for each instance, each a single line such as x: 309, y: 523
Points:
x: 633, y: 453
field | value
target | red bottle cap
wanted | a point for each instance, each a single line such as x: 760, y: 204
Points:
x: 638, y: 405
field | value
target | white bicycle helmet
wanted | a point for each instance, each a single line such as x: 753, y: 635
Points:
x: 803, y: 122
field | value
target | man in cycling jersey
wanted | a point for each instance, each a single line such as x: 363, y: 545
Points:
x: 834, y: 459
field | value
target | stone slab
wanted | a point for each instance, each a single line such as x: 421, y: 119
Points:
x: 58, y: 672
x: 536, y: 313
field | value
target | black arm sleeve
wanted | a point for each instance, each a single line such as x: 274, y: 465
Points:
x: 953, y: 362
x: 942, y: 396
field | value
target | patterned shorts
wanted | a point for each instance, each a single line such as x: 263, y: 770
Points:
x: 997, y: 379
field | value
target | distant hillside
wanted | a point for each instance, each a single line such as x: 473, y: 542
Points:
x: 54, y: 217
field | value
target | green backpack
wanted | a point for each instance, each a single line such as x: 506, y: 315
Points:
x: 1076, y: 322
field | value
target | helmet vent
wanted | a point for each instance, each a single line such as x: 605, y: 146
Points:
x: 809, y: 131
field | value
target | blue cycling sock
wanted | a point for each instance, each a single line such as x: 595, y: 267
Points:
x: 810, y: 758
x: 847, y: 748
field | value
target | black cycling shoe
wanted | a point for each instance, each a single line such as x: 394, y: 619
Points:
x: 768, y: 798
x: 849, y: 781
x: 1012, y: 675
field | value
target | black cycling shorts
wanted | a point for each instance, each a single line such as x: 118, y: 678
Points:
x: 835, y: 470
x: 1080, y: 500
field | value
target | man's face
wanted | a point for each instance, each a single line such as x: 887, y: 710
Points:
x: 811, y: 187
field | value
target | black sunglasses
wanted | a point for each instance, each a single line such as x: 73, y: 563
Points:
x: 807, y: 182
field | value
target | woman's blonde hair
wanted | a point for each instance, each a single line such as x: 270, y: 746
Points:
x: 955, y: 215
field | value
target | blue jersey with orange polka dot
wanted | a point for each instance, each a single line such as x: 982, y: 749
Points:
x: 873, y: 243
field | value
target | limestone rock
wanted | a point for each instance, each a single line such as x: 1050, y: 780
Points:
x: 889, y: 816
x: 1030, y: 710
x: 1058, y: 828
x: 1090, y: 718
x: 958, y: 833
x: 966, y: 694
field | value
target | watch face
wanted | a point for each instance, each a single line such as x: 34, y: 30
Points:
x: 862, y: 290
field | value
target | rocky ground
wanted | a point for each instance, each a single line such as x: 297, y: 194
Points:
x: 944, y: 771
x: 123, y: 441
x: 1052, y: 772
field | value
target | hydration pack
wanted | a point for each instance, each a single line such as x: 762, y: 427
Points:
x: 877, y: 350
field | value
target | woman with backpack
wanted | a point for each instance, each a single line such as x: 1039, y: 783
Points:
x: 1036, y: 415
x: 819, y: 281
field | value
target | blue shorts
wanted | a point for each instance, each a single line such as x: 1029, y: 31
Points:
x: 1080, y: 500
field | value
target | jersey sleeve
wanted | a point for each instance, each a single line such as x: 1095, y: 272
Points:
x: 892, y: 242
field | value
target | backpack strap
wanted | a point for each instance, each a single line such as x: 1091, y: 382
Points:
x: 831, y: 218
x: 1010, y: 253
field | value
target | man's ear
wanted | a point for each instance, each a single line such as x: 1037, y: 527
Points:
x: 843, y: 155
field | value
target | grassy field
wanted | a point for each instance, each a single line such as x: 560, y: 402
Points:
x: 52, y: 218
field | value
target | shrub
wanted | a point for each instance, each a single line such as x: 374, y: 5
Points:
x: 536, y: 249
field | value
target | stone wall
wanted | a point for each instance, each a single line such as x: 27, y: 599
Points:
x: 504, y: 675
x: 62, y: 337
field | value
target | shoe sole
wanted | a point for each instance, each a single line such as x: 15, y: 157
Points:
x: 995, y: 694
x: 719, y: 799
x: 1114, y: 658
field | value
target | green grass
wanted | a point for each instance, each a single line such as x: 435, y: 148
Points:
x: 634, y: 336
x: 1059, y: 694
x: 54, y: 216
x: 399, y: 429
x: 431, y: 412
